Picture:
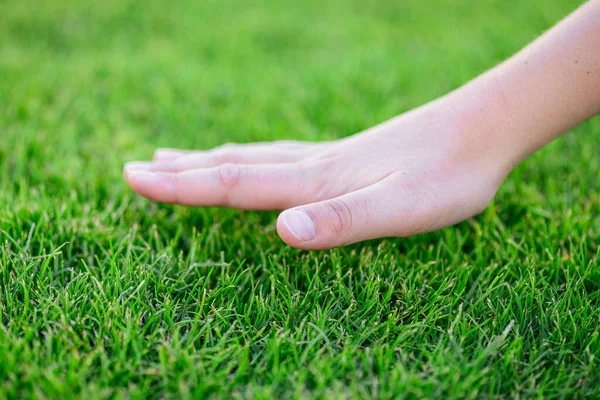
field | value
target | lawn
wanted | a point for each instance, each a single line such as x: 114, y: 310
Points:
x: 106, y: 295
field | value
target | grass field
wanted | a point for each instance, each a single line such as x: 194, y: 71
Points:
x: 104, y: 294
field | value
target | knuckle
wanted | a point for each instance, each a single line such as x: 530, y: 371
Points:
x: 318, y: 169
x: 341, y: 215
x: 229, y: 175
x: 325, y: 164
x: 319, y: 174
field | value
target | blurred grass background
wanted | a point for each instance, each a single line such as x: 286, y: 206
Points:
x: 103, y: 294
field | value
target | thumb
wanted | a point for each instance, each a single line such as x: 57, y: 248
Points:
x: 361, y: 215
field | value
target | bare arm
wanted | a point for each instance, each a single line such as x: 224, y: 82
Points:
x: 541, y: 92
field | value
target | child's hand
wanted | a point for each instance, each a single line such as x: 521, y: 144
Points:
x: 416, y: 173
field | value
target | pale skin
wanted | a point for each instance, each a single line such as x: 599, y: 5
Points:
x: 421, y: 171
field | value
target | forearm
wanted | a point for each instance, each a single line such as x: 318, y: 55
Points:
x: 543, y: 91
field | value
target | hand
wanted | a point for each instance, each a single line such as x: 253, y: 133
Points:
x: 419, y: 172
x: 424, y: 170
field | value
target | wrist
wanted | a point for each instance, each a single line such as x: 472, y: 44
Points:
x: 486, y: 128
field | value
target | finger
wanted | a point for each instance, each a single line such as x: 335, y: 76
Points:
x: 170, y: 154
x: 208, y: 159
x: 255, y: 187
x: 280, y: 144
x: 369, y: 213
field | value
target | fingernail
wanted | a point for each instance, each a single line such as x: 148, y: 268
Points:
x: 300, y: 225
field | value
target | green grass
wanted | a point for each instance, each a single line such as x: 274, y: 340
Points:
x: 104, y: 294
